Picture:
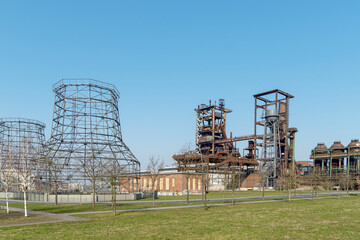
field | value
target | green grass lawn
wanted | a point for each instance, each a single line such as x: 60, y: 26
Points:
x: 318, y: 219
x: 18, y: 218
x: 73, y: 208
x: 228, y: 194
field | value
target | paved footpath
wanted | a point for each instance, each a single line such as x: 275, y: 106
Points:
x: 193, y: 200
x: 55, y: 217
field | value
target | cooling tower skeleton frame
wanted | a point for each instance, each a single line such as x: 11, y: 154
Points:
x: 86, y: 141
x: 22, y: 142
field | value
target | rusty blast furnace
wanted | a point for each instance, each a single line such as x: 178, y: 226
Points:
x: 270, y: 149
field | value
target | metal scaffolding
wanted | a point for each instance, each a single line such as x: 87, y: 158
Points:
x: 21, y: 150
x: 278, y: 140
x: 86, y: 146
x: 215, y: 152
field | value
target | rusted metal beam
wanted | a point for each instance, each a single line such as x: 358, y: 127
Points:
x: 237, y: 139
x: 273, y: 91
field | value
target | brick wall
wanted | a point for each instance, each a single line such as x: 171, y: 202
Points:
x: 172, y: 183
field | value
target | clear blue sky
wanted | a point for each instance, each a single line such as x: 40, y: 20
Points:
x: 166, y: 57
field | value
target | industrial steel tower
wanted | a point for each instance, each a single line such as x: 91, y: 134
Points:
x: 86, y: 144
x: 21, y: 147
x: 278, y: 140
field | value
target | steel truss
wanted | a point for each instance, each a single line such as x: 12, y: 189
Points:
x: 21, y: 150
x: 86, y: 145
x: 278, y: 141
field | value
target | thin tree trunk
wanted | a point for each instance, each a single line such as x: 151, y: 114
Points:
x: 295, y: 185
x: 187, y: 189
x: 263, y: 186
x: 153, y: 197
x: 312, y: 192
x: 154, y: 193
x: 56, y: 192
x: 7, y: 200
x: 204, y: 188
x: 25, y: 207
x: 225, y: 180
x: 289, y: 194
x: 232, y: 186
x: 94, y: 190
x: 114, y: 197
x: 205, y: 200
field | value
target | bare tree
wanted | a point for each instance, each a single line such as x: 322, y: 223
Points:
x: 25, y: 166
x: 115, y: 180
x: 232, y: 185
x: 154, y: 168
x: 187, y: 149
x: 7, y: 173
x: 205, y: 178
x: 117, y: 176
x: 226, y: 182
x: 262, y: 173
x: 187, y: 177
x: 287, y: 181
x: 327, y: 183
x: 54, y: 169
x: 314, y: 178
x: 93, y: 171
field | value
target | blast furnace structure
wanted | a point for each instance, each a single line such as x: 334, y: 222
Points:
x: 270, y: 149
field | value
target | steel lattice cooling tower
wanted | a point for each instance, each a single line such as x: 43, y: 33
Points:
x: 86, y: 143
x: 21, y: 146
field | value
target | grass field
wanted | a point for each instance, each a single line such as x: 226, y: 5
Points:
x: 318, y: 219
x: 72, y: 208
x: 18, y: 218
x: 228, y: 194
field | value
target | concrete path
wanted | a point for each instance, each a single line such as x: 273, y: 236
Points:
x: 192, y: 201
x: 56, y: 217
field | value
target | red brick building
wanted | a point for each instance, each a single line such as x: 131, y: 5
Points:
x: 171, y: 182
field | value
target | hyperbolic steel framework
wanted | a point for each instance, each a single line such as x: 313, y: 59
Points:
x: 21, y: 142
x: 86, y: 143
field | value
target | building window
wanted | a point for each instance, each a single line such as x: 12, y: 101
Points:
x: 167, y: 184
x: 161, y: 184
